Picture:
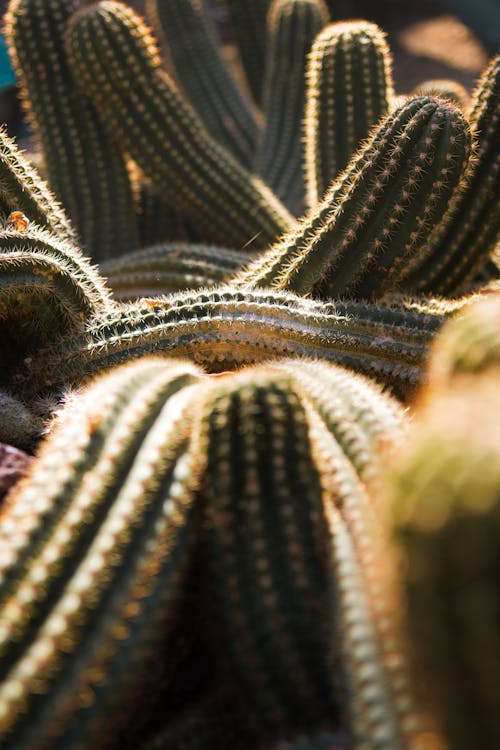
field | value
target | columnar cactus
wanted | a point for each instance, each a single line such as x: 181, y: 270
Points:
x: 292, y: 27
x: 170, y: 145
x: 349, y: 90
x: 223, y: 329
x: 446, y: 512
x: 85, y: 170
x: 248, y: 23
x: 204, y: 76
x: 360, y: 240
x: 171, y: 267
x: 444, y: 87
x: 19, y: 426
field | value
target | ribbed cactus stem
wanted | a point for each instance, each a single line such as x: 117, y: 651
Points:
x: 104, y: 531
x: 117, y: 61
x: 158, y: 222
x: 21, y: 189
x: 360, y: 240
x: 267, y: 471
x: 248, y: 24
x: 468, y: 233
x: 204, y: 76
x: 292, y: 27
x: 223, y: 329
x: 444, y: 87
x: 171, y: 267
x: 84, y: 168
x: 470, y: 344
x: 349, y: 89
x: 18, y: 425
x: 446, y: 490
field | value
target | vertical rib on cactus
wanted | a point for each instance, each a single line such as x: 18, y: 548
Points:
x: 21, y: 189
x: 223, y: 329
x: 104, y: 533
x: 117, y: 60
x: 46, y: 288
x: 349, y: 89
x: 171, y: 267
x: 446, y: 490
x: 204, y: 76
x: 360, y: 240
x: 468, y: 234
x: 248, y: 23
x: 84, y: 169
x: 157, y: 221
x: 292, y: 27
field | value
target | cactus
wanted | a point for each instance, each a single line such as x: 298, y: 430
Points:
x: 13, y: 465
x: 360, y: 240
x: 468, y: 233
x: 46, y: 288
x: 85, y: 170
x: 448, y: 89
x: 170, y: 267
x: 158, y: 222
x: 292, y: 27
x: 224, y: 329
x: 248, y: 23
x: 204, y: 76
x: 19, y: 426
x: 445, y: 493
x: 349, y: 90
x: 196, y: 175
x: 470, y: 344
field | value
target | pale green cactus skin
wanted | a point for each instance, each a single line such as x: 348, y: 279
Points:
x: 198, y: 177
x: 349, y: 89
x: 85, y: 170
x: 204, y: 76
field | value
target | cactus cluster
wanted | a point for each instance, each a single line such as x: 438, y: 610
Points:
x: 232, y: 533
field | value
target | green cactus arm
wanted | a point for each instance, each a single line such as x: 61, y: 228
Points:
x: 158, y: 222
x: 468, y: 234
x: 99, y: 558
x: 19, y: 426
x: 170, y: 267
x: 47, y: 288
x: 223, y: 329
x: 359, y: 242
x: 84, y: 168
x: 445, y: 492
x: 292, y: 27
x: 21, y: 189
x: 204, y: 76
x: 248, y: 25
x: 468, y: 345
x: 116, y: 59
x: 349, y: 89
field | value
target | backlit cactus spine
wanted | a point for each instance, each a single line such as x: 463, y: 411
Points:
x: 85, y: 170
x: 292, y: 28
x: 349, y: 89
x: 198, y: 177
x: 360, y: 240
x: 446, y: 515
x: 204, y: 76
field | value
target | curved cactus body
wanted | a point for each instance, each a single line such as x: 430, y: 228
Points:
x: 19, y: 427
x: 223, y: 329
x: 446, y: 513
x: 160, y: 269
x: 170, y: 145
x: 292, y: 27
x: 361, y: 241
x: 446, y: 88
x: 468, y: 234
x: 205, y: 77
x: 85, y: 170
x: 46, y: 288
x: 349, y: 90
x: 248, y: 24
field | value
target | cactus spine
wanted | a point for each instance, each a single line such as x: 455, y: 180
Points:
x: 224, y: 329
x: 85, y: 170
x: 349, y: 90
x: 446, y: 88
x: 292, y: 27
x: 248, y: 23
x: 160, y: 269
x: 171, y: 147
x: 359, y: 241
x: 204, y: 76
